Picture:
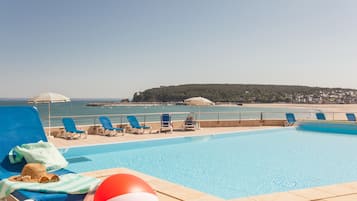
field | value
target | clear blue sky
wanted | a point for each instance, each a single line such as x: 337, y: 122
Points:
x: 111, y: 49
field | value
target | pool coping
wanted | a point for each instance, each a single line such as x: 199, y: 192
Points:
x: 335, y: 192
x: 174, y: 137
x: 166, y: 191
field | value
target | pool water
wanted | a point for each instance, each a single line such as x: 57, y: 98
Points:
x: 232, y: 165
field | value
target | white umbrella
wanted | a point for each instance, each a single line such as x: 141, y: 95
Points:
x: 198, y: 101
x: 49, y: 98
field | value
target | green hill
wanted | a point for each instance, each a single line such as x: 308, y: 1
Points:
x: 248, y: 93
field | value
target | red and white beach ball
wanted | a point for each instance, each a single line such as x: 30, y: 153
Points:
x: 124, y: 187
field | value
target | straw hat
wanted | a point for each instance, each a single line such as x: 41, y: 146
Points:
x: 34, y: 172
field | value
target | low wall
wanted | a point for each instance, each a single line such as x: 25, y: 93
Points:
x: 233, y: 123
x: 95, y: 129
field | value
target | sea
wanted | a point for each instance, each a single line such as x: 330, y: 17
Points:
x: 83, y: 114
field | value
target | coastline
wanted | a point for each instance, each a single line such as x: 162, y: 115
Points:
x: 322, y: 107
x: 107, y: 104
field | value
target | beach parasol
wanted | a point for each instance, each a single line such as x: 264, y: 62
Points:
x: 49, y: 98
x: 198, y: 101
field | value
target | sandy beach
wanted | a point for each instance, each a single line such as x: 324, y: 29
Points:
x: 322, y: 107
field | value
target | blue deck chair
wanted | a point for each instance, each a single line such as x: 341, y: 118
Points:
x: 108, y: 127
x: 20, y: 125
x: 134, y: 124
x: 290, y: 117
x: 320, y: 116
x: 351, y: 116
x: 166, y: 123
x: 71, y: 129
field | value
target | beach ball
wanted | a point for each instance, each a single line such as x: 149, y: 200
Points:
x: 124, y: 187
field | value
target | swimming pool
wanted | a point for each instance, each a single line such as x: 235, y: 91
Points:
x: 232, y: 165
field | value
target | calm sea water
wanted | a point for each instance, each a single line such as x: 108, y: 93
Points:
x: 151, y: 113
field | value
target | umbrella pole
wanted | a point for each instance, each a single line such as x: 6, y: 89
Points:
x: 49, y: 119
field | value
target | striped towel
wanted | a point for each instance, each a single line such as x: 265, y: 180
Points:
x: 69, y: 183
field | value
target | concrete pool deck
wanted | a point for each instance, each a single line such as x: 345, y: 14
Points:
x: 167, y: 191
x: 100, y: 139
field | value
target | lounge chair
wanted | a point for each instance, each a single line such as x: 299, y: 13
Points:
x: 71, y: 129
x: 20, y: 125
x: 351, y: 116
x: 166, y: 123
x: 320, y: 116
x: 290, y: 118
x: 134, y: 124
x: 109, y: 130
x: 190, y: 123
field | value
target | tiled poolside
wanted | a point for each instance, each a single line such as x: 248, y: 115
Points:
x: 167, y: 191
x: 99, y: 139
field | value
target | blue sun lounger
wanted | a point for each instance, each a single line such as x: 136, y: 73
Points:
x: 134, y: 123
x: 290, y: 117
x: 351, y: 116
x: 320, y: 116
x: 71, y: 129
x: 20, y: 125
x: 166, y: 123
x: 108, y: 126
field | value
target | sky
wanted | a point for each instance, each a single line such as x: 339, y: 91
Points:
x: 114, y: 48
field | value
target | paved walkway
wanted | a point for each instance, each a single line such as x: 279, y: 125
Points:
x: 99, y: 139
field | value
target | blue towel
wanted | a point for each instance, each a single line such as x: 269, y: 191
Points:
x: 69, y: 183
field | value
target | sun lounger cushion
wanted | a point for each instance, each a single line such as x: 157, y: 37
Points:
x: 290, y: 117
x: 320, y: 116
x: 351, y: 116
x: 41, y: 152
x: 68, y: 183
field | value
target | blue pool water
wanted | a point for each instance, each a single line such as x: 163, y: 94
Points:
x: 233, y: 165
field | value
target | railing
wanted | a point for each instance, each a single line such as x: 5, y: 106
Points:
x: 181, y: 116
